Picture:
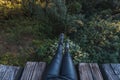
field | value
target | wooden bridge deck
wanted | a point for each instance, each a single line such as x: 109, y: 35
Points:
x: 86, y: 71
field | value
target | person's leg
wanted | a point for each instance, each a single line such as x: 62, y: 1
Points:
x: 53, y: 69
x: 67, y: 68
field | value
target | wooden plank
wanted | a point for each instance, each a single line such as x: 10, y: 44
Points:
x: 116, y: 68
x: 8, y: 72
x: 37, y: 75
x: 109, y: 73
x: 96, y: 71
x: 85, y: 72
x: 33, y: 71
x: 19, y: 74
x: 27, y: 73
x: 2, y: 71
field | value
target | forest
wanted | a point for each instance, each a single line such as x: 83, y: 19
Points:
x: 29, y: 30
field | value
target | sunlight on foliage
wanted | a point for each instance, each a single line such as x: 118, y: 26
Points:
x: 47, y: 50
x: 9, y: 8
x: 33, y: 25
x: 10, y: 4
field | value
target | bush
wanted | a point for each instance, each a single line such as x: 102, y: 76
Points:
x: 16, y: 29
x: 94, y: 26
x: 74, y: 7
x: 46, y: 51
x: 100, y: 37
x: 10, y: 9
x: 13, y: 59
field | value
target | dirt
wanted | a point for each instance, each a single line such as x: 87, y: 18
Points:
x: 9, y: 47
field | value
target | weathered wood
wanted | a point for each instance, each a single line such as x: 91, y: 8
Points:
x: 85, y: 72
x: 116, y: 69
x: 8, y: 72
x: 33, y: 71
x: 19, y: 74
x: 2, y: 71
x: 109, y: 72
x: 96, y: 71
x: 38, y: 71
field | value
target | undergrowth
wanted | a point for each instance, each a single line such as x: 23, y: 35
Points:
x: 32, y: 26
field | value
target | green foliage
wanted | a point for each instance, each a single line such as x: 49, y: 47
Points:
x: 13, y: 59
x: 94, y: 27
x: 100, y: 37
x: 28, y: 6
x: 56, y: 10
x: 34, y: 8
x: 9, y: 9
x: 16, y: 29
x: 46, y: 51
x: 74, y: 7
x: 77, y: 53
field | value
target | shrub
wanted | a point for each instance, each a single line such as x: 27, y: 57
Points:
x: 16, y: 29
x: 9, y: 9
x: 46, y: 51
x: 74, y: 7
x: 13, y: 59
x: 100, y: 37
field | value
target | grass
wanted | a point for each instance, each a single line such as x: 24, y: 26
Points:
x: 29, y: 33
x: 18, y: 37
